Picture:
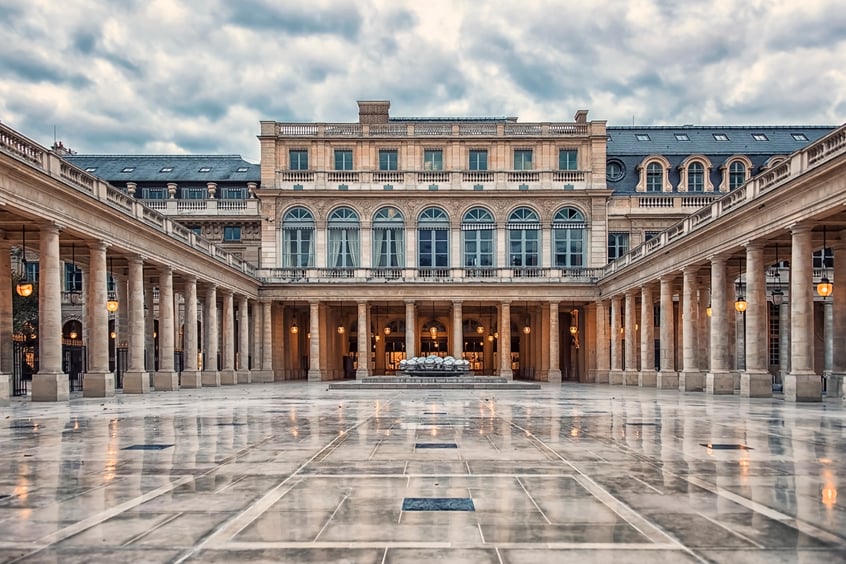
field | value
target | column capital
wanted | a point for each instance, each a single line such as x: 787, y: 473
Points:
x: 718, y: 259
x: 98, y: 245
x: 505, y: 302
x: 668, y: 278
x: 633, y: 292
x: 457, y: 302
x: 691, y: 269
x: 797, y: 228
x: 755, y: 245
x: 190, y: 278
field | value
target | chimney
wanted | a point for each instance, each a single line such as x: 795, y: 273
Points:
x: 373, y: 111
x: 581, y: 116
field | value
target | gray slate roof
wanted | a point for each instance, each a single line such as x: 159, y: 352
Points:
x: 186, y: 168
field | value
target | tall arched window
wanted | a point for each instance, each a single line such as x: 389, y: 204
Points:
x: 568, y: 231
x: 298, y: 238
x: 343, y: 249
x: 654, y: 177
x: 433, y: 239
x: 523, y: 238
x: 695, y: 177
x: 388, y: 239
x: 737, y: 174
x: 477, y: 231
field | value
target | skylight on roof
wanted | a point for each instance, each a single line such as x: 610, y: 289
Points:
x: 682, y: 137
x: 721, y: 137
x: 642, y: 137
x: 91, y: 169
x: 205, y: 169
x: 799, y: 136
x: 128, y: 169
x: 166, y: 169
x: 241, y: 169
x: 760, y: 137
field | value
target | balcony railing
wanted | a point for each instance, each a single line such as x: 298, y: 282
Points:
x: 419, y: 128
x: 429, y: 275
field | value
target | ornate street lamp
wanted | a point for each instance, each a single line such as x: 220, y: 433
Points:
x: 24, y: 287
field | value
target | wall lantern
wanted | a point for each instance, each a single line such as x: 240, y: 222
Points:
x: 825, y: 287
x: 24, y: 287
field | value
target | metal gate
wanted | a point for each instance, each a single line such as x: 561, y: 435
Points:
x: 24, y: 366
x: 73, y: 363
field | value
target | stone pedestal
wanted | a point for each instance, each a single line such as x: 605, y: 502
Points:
x: 228, y: 378
x: 599, y: 376
x: 98, y: 384
x: 315, y: 375
x: 691, y: 381
x: 630, y: 377
x: 666, y: 380
x: 834, y: 385
x: 136, y: 382
x: 756, y: 385
x: 802, y: 387
x: 211, y: 378
x: 262, y: 376
x: 554, y: 376
x: 166, y: 381
x: 719, y: 383
x: 191, y: 379
x: 615, y: 378
x: 50, y: 386
x: 647, y: 378
x: 5, y: 386
x: 244, y: 376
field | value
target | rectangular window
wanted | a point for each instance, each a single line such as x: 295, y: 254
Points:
x: 618, y: 245
x: 568, y: 159
x: 642, y: 137
x: 760, y: 137
x: 720, y: 137
x: 298, y: 159
x: 827, y: 261
x: 233, y: 193
x: 32, y: 271
x: 73, y: 278
x: 522, y: 159
x: 231, y: 233
x: 650, y: 235
x: 433, y: 159
x: 153, y: 193
x: 478, y: 159
x: 343, y: 159
x: 682, y: 137
x: 197, y: 229
x: 796, y: 137
x: 388, y: 159
x: 193, y: 193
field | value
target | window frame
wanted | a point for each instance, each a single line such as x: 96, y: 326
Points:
x: 520, y: 160
x: 477, y: 159
x: 568, y: 159
x: 433, y: 160
x: 388, y: 164
x: 343, y: 159
x: 297, y: 159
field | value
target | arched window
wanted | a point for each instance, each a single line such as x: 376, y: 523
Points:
x: 297, y: 238
x: 654, y: 177
x: 523, y: 238
x: 343, y: 250
x: 737, y: 174
x: 477, y: 231
x: 433, y: 239
x: 695, y: 177
x: 388, y: 238
x: 568, y: 232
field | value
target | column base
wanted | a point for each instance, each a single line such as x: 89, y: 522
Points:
x: 244, y: 376
x: 802, y: 386
x: 615, y: 378
x: 599, y: 376
x: 362, y: 373
x: 262, y: 376
x: 5, y: 386
x: 211, y: 378
x: 136, y: 383
x: 756, y: 385
x: 191, y: 379
x: 228, y: 378
x: 665, y: 380
x: 833, y: 388
x: 647, y: 379
x: 719, y: 383
x: 507, y: 374
x: 691, y: 381
x: 98, y: 384
x: 50, y: 386
x: 315, y: 375
x: 554, y: 376
x: 166, y: 381
x: 630, y: 377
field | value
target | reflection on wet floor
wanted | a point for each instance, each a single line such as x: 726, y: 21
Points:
x: 292, y: 472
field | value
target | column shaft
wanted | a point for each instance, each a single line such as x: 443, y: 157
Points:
x: 802, y: 383
x: 630, y: 335
x: 648, y: 375
x: 315, y: 374
x: 137, y: 379
x: 227, y: 333
x: 616, y: 375
x: 667, y: 377
x: 243, y: 366
x: 603, y: 346
x: 98, y: 381
x: 363, y: 368
x: 50, y: 383
x: 211, y: 375
x: 756, y: 381
x: 504, y: 342
x: 457, y: 331
x: 166, y: 378
x: 554, y: 373
x: 410, y: 330
x: 690, y: 378
x: 6, y: 344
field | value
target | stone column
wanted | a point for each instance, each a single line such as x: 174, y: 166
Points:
x: 615, y: 376
x: 6, y: 344
x: 315, y: 374
x: 243, y: 374
x: 667, y: 377
x: 457, y: 331
x: 265, y: 361
x: 505, y: 341
x: 191, y: 375
x: 554, y: 373
x: 603, y: 348
x: 756, y: 381
x: 719, y: 380
x: 783, y: 340
x: 137, y: 379
x: 50, y: 383
x: 227, y: 372
x: 149, y: 329
x: 690, y: 378
x: 410, y: 330
x: 166, y: 378
x: 363, y: 368
x: 838, y: 320
x: 211, y: 374
x: 802, y: 383
x: 648, y: 376
x: 98, y: 381
x: 631, y: 373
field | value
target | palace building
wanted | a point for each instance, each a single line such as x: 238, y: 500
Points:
x: 681, y: 257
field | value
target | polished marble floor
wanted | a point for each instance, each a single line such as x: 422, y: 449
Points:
x: 292, y: 472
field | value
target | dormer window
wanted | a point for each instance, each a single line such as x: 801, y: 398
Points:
x: 204, y: 169
x: 642, y: 137
x: 128, y: 169
x: 799, y: 136
x: 241, y: 169
x: 682, y: 137
x: 91, y: 169
x: 759, y: 137
x: 166, y: 169
x: 721, y: 137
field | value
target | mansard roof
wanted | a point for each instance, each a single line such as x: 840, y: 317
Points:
x: 168, y: 168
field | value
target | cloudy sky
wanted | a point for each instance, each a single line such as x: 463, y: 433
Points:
x: 196, y: 76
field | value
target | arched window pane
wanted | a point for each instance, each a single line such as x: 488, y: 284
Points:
x: 654, y: 177
x: 695, y: 177
x: 568, y: 232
